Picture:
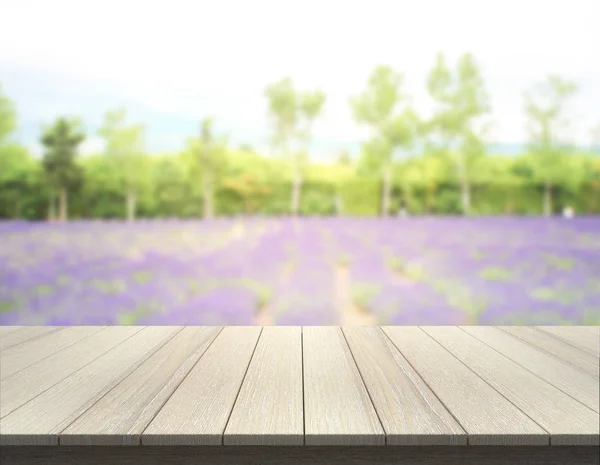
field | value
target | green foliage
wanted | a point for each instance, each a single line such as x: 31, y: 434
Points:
x: 549, y: 128
x: 19, y: 174
x: 361, y: 196
x: 8, y: 117
x: 124, y: 147
x: 376, y: 105
x: 283, y: 111
x: 61, y: 141
x: 208, y: 176
x: 317, y: 199
x: 461, y: 101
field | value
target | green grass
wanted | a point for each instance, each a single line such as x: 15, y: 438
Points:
x: 556, y: 295
x: 142, y: 277
x: 63, y: 280
x: 44, y: 289
x: 263, y: 293
x: 110, y: 286
x: 6, y: 306
x: 397, y: 264
x: 408, y: 270
x: 344, y: 260
x: 591, y: 317
x: 496, y: 274
x: 362, y: 293
x: 561, y: 263
x: 133, y: 318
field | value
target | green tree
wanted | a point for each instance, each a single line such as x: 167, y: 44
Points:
x: 124, y: 148
x: 548, y: 129
x: 205, y: 158
x: 375, y: 108
x: 61, y: 141
x: 18, y: 176
x: 8, y: 117
x: 595, y: 139
x: 461, y: 101
x: 400, y: 132
x: 310, y: 106
x: 289, y: 109
x: 206, y: 161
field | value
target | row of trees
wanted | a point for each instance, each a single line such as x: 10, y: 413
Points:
x: 453, y: 136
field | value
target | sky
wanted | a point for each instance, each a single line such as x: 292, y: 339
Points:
x: 172, y: 63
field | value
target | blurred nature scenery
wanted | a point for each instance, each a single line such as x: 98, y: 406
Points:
x: 299, y: 163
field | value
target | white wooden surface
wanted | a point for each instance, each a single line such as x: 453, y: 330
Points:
x: 458, y: 386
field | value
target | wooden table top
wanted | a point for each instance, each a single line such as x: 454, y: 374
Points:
x: 252, y: 385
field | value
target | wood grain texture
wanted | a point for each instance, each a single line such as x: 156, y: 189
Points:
x: 409, y: 411
x: 580, y: 359
x: 251, y: 388
x: 299, y: 455
x: 19, y: 357
x: 39, y: 421
x: 197, y: 412
x: 581, y: 386
x: 269, y: 409
x: 8, y: 329
x: 577, y: 336
x: 592, y: 329
x: 24, y: 334
x: 568, y: 421
x: 486, y: 416
x: 23, y: 386
x: 122, y: 414
x: 337, y: 407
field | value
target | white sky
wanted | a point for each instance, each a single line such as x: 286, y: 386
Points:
x: 187, y: 59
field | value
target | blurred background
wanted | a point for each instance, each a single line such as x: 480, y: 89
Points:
x: 314, y: 163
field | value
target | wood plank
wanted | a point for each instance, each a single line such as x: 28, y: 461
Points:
x: 269, y: 407
x: 197, y: 412
x: 487, y: 416
x: 556, y: 347
x: 41, y: 420
x: 26, y: 333
x: 568, y: 421
x: 24, y: 355
x: 35, y: 379
x: 9, y: 329
x: 409, y: 411
x: 574, y: 335
x: 337, y: 407
x: 581, y: 386
x: 121, y: 415
x: 298, y: 455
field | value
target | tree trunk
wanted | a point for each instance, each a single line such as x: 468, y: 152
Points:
x: 548, y: 198
x: 131, y: 204
x: 52, y: 208
x: 296, y: 191
x: 466, y: 196
x: 62, y: 204
x: 386, y: 191
x: 207, y: 195
x: 18, y: 208
x: 430, y: 197
x: 338, y: 203
x: 465, y: 188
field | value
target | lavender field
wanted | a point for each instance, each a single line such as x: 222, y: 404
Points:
x: 312, y: 271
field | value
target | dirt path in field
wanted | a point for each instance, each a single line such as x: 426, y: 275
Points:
x: 264, y: 315
x: 349, y: 313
